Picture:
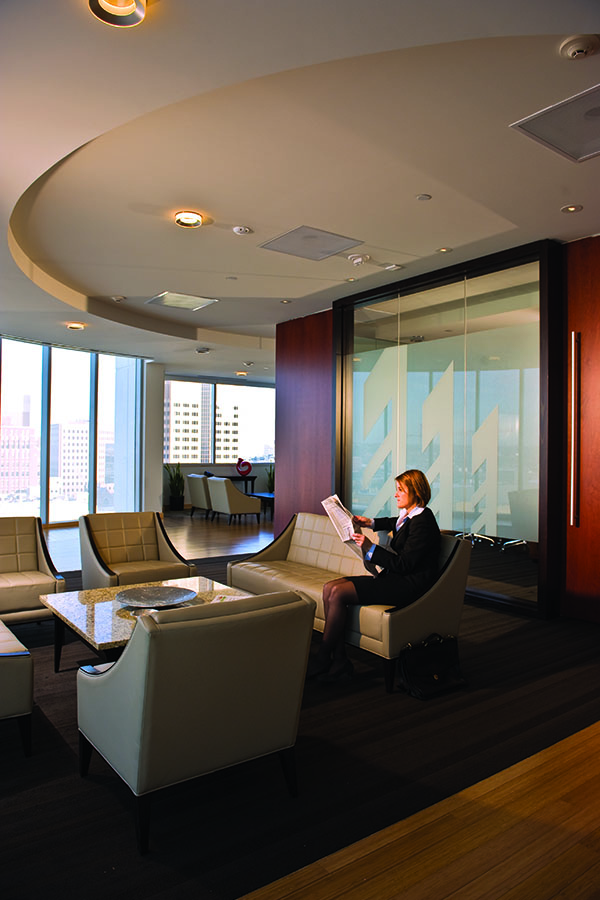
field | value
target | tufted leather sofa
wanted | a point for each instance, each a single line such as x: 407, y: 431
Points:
x: 308, y: 553
x: 26, y: 570
x: 16, y: 683
x: 304, y: 556
x: 127, y: 548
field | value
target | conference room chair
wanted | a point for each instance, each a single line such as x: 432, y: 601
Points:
x: 161, y: 715
x: 26, y: 570
x: 127, y: 548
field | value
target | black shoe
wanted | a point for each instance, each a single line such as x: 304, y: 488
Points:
x: 338, y: 673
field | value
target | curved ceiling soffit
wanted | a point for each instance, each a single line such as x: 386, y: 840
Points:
x: 94, y: 306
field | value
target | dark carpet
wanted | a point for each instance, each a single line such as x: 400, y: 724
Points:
x: 365, y: 758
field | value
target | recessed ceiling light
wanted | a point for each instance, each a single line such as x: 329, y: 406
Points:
x: 572, y: 208
x: 118, y: 298
x: 444, y: 250
x: 123, y: 13
x: 248, y: 363
x: 285, y: 301
x: 423, y: 197
x: 188, y: 218
x: 202, y: 349
x: 359, y: 259
x: 392, y: 267
x: 75, y: 326
x: 241, y: 374
x: 350, y: 280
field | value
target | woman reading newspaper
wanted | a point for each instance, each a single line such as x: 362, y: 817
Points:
x: 407, y: 570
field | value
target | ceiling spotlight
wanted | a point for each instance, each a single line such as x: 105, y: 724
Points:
x: 248, y: 363
x: 241, y: 374
x: 285, y: 301
x: 202, y: 349
x: 75, y: 326
x: 423, y: 197
x: 444, y: 250
x: 242, y: 229
x: 122, y: 13
x: 118, y: 298
x: 358, y: 259
x: 572, y: 208
x: 392, y: 267
x: 188, y: 218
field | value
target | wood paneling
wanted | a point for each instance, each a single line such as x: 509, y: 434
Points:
x: 304, y: 416
x: 582, y: 588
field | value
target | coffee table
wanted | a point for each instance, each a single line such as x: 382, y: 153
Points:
x: 105, y: 624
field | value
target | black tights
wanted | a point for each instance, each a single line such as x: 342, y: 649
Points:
x: 338, y: 595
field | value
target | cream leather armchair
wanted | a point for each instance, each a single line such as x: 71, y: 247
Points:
x: 160, y: 715
x: 16, y: 684
x: 225, y: 498
x: 127, y: 548
x: 26, y: 570
x: 199, y: 494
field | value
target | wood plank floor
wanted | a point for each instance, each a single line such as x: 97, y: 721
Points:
x: 531, y: 832
x: 194, y: 538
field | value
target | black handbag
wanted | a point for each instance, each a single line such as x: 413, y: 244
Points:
x: 430, y: 667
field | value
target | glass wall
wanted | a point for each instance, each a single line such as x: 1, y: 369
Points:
x: 69, y: 422
x: 447, y: 380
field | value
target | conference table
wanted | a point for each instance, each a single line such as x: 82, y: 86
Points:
x: 105, y: 622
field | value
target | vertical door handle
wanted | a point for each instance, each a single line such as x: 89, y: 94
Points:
x: 575, y: 427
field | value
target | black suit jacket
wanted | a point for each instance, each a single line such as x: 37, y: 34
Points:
x: 413, y: 553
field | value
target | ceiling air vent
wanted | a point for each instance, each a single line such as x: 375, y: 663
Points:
x: 571, y: 127
x: 179, y: 301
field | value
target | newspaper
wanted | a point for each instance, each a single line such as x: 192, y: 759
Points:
x: 341, y: 519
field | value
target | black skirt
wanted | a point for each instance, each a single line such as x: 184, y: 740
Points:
x: 388, y: 589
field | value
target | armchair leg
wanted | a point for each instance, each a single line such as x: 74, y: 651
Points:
x: 142, y: 821
x: 287, y: 758
x: 389, y: 671
x: 85, y: 755
x: 25, y: 729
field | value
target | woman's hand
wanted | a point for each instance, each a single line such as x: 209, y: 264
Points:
x: 362, y: 520
x: 362, y: 541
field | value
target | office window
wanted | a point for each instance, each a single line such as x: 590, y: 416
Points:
x: 50, y: 434
x: 233, y: 421
x: 247, y: 415
x: 69, y: 434
x: 20, y: 428
x: 116, y: 444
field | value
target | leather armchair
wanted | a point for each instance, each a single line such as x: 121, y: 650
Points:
x: 26, y: 570
x: 127, y: 548
x: 16, y: 684
x: 199, y: 494
x: 225, y: 498
x: 160, y: 715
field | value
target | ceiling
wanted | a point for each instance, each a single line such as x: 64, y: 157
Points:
x: 272, y: 115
